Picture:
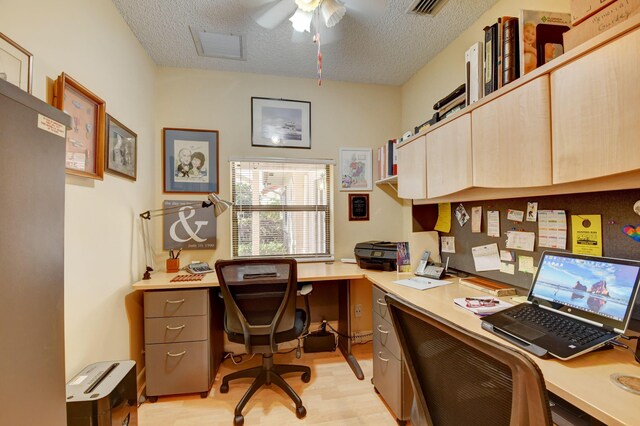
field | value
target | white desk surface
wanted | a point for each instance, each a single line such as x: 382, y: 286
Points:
x: 583, y: 381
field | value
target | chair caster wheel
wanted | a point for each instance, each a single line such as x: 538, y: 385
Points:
x: 306, y: 377
x: 238, y: 420
x: 152, y: 399
x: 301, y: 412
x: 204, y: 394
x: 224, y: 388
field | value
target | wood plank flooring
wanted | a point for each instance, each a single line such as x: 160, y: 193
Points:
x: 334, y: 396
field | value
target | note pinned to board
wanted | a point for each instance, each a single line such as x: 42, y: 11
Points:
x: 508, y: 268
x: 486, y: 258
x: 448, y: 244
x: 493, y: 223
x: 520, y: 240
x: 552, y: 229
x: 586, y: 234
x: 515, y: 215
x: 525, y: 264
x: 476, y: 219
x: 444, y: 218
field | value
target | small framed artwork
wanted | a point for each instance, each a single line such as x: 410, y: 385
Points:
x: 190, y: 160
x: 16, y: 64
x: 121, y: 149
x: 188, y: 226
x: 85, y: 141
x: 280, y: 123
x: 356, y: 169
x: 358, y: 206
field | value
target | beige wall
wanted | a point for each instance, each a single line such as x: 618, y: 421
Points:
x: 447, y: 71
x: 342, y: 115
x: 89, y: 40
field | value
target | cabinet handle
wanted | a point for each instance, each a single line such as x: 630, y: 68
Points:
x: 381, y: 330
x: 381, y: 302
x: 180, y: 327
x: 175, y: 301
x: 382, y: 359
x: 176, y: 355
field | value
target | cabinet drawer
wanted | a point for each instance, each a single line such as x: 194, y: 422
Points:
x: 379, y: 304
x: 175, y: 368
x: 384, y: 333
x: 175, y: 329
x: 175, y: 303
x: 391, y: 381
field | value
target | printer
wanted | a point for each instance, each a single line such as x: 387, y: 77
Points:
x: 376, y: 255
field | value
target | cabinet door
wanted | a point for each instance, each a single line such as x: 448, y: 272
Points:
x: 412, y: 173
x: 596, y: 112
x: 512, y: 138
x: 449, y: 166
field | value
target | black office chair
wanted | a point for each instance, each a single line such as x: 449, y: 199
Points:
x: 459, y: 377
x: 260, y: 312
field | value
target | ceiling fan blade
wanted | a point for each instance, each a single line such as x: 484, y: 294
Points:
x: 273, y: 14
x: 366, y: 6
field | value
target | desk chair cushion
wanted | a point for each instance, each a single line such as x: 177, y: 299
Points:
x: 279, y: 337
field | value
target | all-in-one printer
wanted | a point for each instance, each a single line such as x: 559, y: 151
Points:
x: 377, y: 255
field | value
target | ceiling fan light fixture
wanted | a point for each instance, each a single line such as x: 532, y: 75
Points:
x: 308, y: 5
x: 332, y: 12
x: 301, y: 21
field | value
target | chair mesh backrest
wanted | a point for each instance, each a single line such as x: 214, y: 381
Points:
x: 460, y: 378
x: 259, y: 293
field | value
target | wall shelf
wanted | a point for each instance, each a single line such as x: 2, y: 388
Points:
x: 392, y: 181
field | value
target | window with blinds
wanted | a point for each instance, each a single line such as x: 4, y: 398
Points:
x: 282, y: 207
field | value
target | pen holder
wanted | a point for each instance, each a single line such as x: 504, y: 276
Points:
x: 173, y: 265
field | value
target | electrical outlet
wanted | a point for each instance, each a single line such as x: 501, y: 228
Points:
x: 358, y: 310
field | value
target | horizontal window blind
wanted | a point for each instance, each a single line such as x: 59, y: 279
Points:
x: 281, y: 208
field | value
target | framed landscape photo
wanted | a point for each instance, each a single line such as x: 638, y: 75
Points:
x: 356, y: 172
x: 281, y: 123
x: 190, y: 160
x: 358, y: 206
x: 85, y: 140
x: 121, y: 149
x: 16, y: 64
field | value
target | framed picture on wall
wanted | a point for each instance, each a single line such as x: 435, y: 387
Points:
x: 358, y: 206
x: 355, y: 169
x: 16, y: 64
x: 190, y: 160
x: 121, y: 149
x: 280, y: 123
x: 85, y: 140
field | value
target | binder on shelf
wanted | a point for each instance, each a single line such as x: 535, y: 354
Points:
x: 510, y: 62
x: 474, y: 84
x: 490, y: 58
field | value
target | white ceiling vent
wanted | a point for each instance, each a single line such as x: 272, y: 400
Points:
x: 426, y: 7
x: 215, y: 45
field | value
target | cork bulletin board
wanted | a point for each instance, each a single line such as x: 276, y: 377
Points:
x: 615, y: 207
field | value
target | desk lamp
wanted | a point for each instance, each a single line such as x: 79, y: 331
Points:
x: 219, y: 207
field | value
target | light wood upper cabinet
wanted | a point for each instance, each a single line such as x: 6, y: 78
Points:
x: 596, y: 112
x: 449, y: 167
x: 412, y: 173
x: 512, y: 138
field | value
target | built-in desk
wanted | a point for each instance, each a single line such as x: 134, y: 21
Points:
x: 584, y: 381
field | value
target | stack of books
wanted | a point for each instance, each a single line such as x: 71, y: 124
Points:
x: 502, y: 57
x: 387, y: 159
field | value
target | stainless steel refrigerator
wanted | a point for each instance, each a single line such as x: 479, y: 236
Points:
x: 32, y: 185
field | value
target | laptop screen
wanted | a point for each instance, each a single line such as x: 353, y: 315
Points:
x: 596, y: 288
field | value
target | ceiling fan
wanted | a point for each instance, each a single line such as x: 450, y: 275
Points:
x: 322, y: 15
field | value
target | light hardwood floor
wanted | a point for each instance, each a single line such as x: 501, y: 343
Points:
x: 334, y: 396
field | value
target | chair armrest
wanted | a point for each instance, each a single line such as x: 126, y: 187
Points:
x: 305, y: 290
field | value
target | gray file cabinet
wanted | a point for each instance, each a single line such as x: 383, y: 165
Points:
x: 390, y: 377
x: 183, y: 346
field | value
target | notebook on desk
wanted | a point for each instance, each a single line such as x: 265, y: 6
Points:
x: 575, y: 305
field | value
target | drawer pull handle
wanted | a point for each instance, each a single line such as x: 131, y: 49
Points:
x: 381, y: 330
x: 175, y: 301
x: 176, y: 355
x: 180, y: 327
x: 381, y: 302
x: 382, y: 359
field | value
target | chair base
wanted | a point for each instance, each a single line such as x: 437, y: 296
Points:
x: 266, y: 374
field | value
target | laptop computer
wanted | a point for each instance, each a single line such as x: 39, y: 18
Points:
x: 576, y: 304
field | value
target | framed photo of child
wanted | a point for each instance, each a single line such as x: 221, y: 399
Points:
x: 190, y: 160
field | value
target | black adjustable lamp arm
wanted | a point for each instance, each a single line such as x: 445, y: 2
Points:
x: 169, y: 210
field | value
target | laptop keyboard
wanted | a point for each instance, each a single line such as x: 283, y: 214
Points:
x: 568, y: 329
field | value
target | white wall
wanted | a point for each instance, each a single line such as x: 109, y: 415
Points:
x: 447, y: 71
x: 342, y: 115
x: 89, y: 40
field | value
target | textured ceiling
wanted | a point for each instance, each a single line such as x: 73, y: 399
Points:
x: 381, y: 48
